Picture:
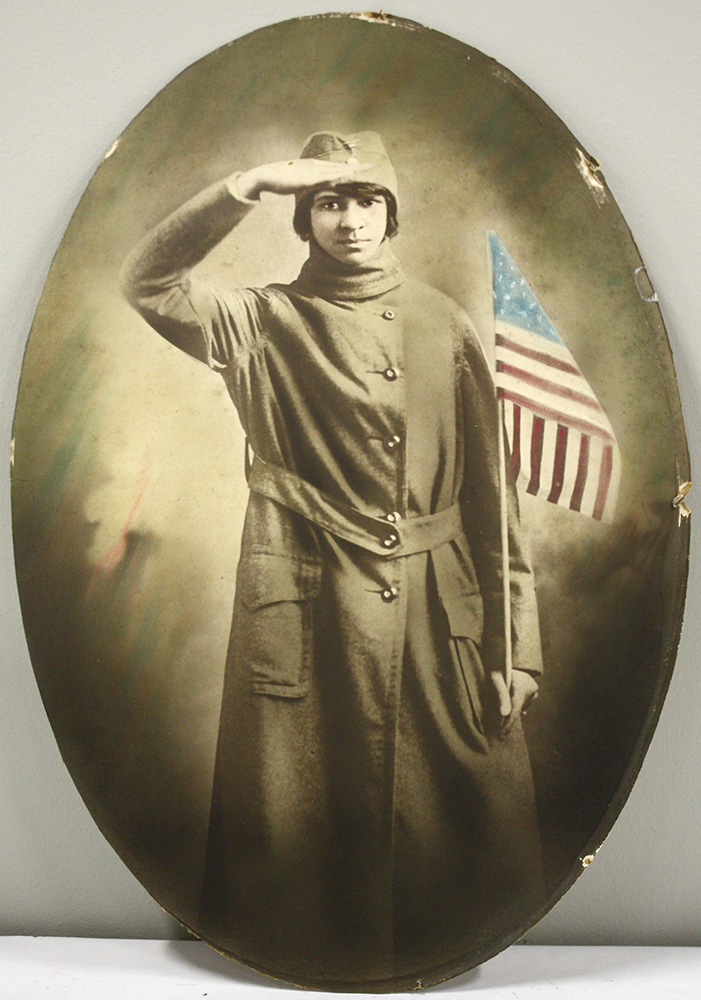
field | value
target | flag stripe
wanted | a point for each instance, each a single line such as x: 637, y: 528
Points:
x: 529, y: 352
x: 527, y: 417
x: 591, y: 489
x: 548, y: 453
x: 571, y: 465
x: 516, y: 443
x: 536, y: 454
x: 533, y: 341
x: 581, y: 480
x: 558, y: 464
x: 612, y: 497
x: 570, y: 380
x: 548, y: 413
x: 565, y: 409
x: 604, y: 480
x: 545, y: 385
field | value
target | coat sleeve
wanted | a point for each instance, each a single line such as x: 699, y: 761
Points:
x: 213, y: 325
x: 480, y: 502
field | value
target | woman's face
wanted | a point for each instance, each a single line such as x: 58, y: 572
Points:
x: 348, y: 228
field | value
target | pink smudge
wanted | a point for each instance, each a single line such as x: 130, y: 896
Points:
x: 107, y: 562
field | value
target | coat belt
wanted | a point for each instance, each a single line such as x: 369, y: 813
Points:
x: 376, y: 534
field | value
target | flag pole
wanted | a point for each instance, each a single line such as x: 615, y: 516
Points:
x: 503, y: 507
x: 505, y: 561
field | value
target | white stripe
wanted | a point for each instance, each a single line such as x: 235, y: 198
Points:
x: 547, y: 462
x: 509, y: 422
x: 615, y: 481
x: 534, y: 342
x: 514, y: 409
x: 596, y: 449
x: 574, y: 443
x: 614, y: 484
x: 524, y: 476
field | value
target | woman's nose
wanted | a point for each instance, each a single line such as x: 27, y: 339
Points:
x: 352, y: 218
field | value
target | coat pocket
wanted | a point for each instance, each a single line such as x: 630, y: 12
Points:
x: 458, y: 592
x: 465, y: 620
x: 464, y: 610
x: 273, y: 623
x: 466, y: 616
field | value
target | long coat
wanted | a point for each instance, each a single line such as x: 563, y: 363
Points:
x: 367, y: 825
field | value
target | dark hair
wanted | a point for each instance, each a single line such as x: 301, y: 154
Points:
x: 302, y: 220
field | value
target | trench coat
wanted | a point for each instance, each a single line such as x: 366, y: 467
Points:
x: 367, y: 825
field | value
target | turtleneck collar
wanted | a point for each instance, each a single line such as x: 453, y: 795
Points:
x: 332, y: 279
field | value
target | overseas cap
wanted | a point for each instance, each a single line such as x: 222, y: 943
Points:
x: 360, y: 147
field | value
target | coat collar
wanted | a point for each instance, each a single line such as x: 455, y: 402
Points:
x: 331, y: 279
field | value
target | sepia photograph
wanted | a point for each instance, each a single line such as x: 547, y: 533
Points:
x: 348, y: 503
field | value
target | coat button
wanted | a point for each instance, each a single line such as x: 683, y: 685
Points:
x: 390, y: 540
x: 392, y: 442
x: 389, y: 594
x: 393, y: 517
x: 389, y: 314
x: 391, y: 374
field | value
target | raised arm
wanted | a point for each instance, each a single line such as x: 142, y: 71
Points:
x: 166, y: 255
x: 156, y: 278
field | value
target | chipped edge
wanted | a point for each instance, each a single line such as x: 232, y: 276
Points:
x: 638, y: 273
x: 679, y: 504
x: 111, y: 149
x: 590, y: 170
x: 372, y: 15
x: 379, y: 17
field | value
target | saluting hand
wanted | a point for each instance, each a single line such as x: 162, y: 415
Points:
x: 293, y: 176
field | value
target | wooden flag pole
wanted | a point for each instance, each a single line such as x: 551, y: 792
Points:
x: 505, y: 562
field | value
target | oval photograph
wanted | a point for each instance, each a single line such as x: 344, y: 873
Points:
x: 348, y: 508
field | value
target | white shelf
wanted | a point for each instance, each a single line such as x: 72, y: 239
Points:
x: 101, y: 969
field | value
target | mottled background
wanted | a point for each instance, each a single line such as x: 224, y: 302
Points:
x: 128, y: 486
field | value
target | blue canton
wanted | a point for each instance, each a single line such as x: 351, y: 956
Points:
x: 514, y: 301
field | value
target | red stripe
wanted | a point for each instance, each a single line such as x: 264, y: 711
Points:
x: 557, y: 415
x: 582, y: 469
x: 559, y: 464
x: 604, y: 482
x: 516, y: 446
x: 536, y: 454
x: 543, y: 383
x: 529, y: 352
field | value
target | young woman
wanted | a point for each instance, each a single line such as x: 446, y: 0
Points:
x: 372, y: 813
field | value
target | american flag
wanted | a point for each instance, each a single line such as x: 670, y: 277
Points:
x: 562, y: 446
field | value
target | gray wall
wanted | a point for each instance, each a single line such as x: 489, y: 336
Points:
x: 626, y: 81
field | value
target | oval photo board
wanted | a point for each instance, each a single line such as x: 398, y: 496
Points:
x: 346, y: 498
